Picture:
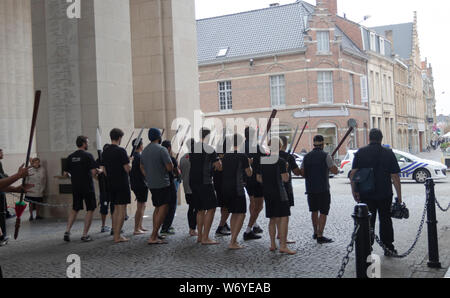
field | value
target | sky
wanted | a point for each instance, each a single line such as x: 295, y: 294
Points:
x: 433, y: 22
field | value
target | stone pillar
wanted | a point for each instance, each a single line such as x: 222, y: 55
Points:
x: 165, y: 68
x: 16, y: 81
x: 83, y: 67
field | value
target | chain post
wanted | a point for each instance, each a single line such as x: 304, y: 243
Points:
x: 363, y: 242
x: 433, y: 245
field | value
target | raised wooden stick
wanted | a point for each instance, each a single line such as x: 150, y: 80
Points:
x: 300, y: 137
x: 342, y: 141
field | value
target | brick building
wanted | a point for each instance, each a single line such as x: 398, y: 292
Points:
x: 297, y: 58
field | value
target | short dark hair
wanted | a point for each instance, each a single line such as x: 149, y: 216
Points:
x: 136, y: 144
x: 318, y: 140
x: 81, y: 140
x: 204, y: 132
x: 116, y: 134
x: 376, y: 136
x: 284, y: 139
x: 167, y: 144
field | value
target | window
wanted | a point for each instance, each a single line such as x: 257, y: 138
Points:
x: 364, y: 91
x: 352, y: 90
x: 277, y: 90
x: 222, y: 52
x: 382, y: 46
x: 325, y: 86
x: 323, y: 42
x: 373, y: 46
x: 225, y: 96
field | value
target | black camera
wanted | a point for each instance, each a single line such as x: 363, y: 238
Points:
x: 399, y: 211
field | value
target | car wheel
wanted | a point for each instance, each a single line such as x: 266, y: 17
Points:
x: 421, y: 175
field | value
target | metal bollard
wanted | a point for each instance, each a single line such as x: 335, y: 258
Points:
x: 433, y: 245
x: 363, y: 247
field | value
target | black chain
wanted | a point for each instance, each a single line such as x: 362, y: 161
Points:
x: 350, y: 249
x: 393, y: 254
x: 440, y: 207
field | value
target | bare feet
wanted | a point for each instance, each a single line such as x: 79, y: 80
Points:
x: 287, y: 251
x: 121, y: 240
x: 193, y: 233
x: 156, y: 242
x: 137, y: 233
x: 143, y: 230
x: 235, y: 246
x: 273, y: 248
x: 209, y: 242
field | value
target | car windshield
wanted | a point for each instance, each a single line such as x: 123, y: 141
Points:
x: 400, y: 154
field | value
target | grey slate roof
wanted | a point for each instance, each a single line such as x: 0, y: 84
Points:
x: 264, y: 31
x: 402, y: 36
x: 348, y: 44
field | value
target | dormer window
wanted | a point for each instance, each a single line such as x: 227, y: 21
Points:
x: 222, y: 53
x: 382, y: 46
x: 373, y: 44
x: 323, y: 42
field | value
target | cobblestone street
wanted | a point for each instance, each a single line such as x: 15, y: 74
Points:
x: 40, y: 251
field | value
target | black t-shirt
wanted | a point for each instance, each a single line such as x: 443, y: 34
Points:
x: 114, y: 158
x: 137, y: 179
x: 254, y: 152
x: 79, y: 165
x: 175, y: 168
x: 201, y: 172
x: 102, y: 182
x: 291, y: 161
x: 272, y: 181
x: 383, y: 162
x: 234, y: 165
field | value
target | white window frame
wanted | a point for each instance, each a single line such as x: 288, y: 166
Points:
x: 323, y: 42
x: 382, y: 46
x: 325, y: 90
x: 278, y: 90
x: 373, y: 42
x: 352, y: 88
x: 364, y: 89
x: 225, y: 96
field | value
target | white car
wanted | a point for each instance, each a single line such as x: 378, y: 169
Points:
x: 412, y: 167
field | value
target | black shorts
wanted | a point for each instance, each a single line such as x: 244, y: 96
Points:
x: 161, y: 196
x: 276, y: 208
x: 205, y: 197
x: 88, y: 198
x: 290, y: 194
x: 37, y: 200
x: 141, y: 195
x: 237, y: 204
x: 254, y: 188
x: 189, y: 199
x: 105, y: 204
x: 120, y: 197
x: 221, y: 202
x: 320, y: 202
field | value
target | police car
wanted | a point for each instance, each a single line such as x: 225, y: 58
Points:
x: 412, y: 167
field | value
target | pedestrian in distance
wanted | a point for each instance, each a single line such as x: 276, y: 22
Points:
x: 117, y: 169
x: 316, y: 168
x: 156, y: 165
x: 273, y: 177
x: 204, y: 160
x: 139, y: 187
x: 383, y: 163
x: 81, y: 167
x: 185, y: 167
x: 38, y: 178
x: 236, y: 166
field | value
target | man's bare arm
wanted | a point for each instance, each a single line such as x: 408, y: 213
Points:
x: 398, y: 186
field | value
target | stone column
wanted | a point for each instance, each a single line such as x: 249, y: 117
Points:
x: 165, y: 68
x: 83, y: 67
x: 16, y: 81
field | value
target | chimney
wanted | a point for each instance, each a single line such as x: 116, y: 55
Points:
x: 331, y: 5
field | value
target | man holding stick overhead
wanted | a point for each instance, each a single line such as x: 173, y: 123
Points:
x: 316, y: 168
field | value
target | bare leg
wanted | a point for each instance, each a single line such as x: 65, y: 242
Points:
x: 224, y: 216
x: 256, y: 206
x: 209, y: 217
x: 144, y: 205
x: 87, y: 222
x: 158, y: 218
x: 37, y: 207
x: 283, y: 231
x: 30, y: 208
x: 272, y: 233
x: 119, y: 218
x: 237, y: 221
x: 72, y: 217
x: 315, y: 222
x: 322, y: 224
x: 138, y: 219
x: 103, y: 220
x: 200, y: 224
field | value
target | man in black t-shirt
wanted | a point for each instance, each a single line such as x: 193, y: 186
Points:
x: 82, y: 168
x: 236, y: 166
x: 223, y: 229
x: 167, y: 228
x: 139, y: 187
x: 274, y: 177
x: 254, y: 189
x: 117, y: 169
x: 204, y: 161
x: 386, y: 172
